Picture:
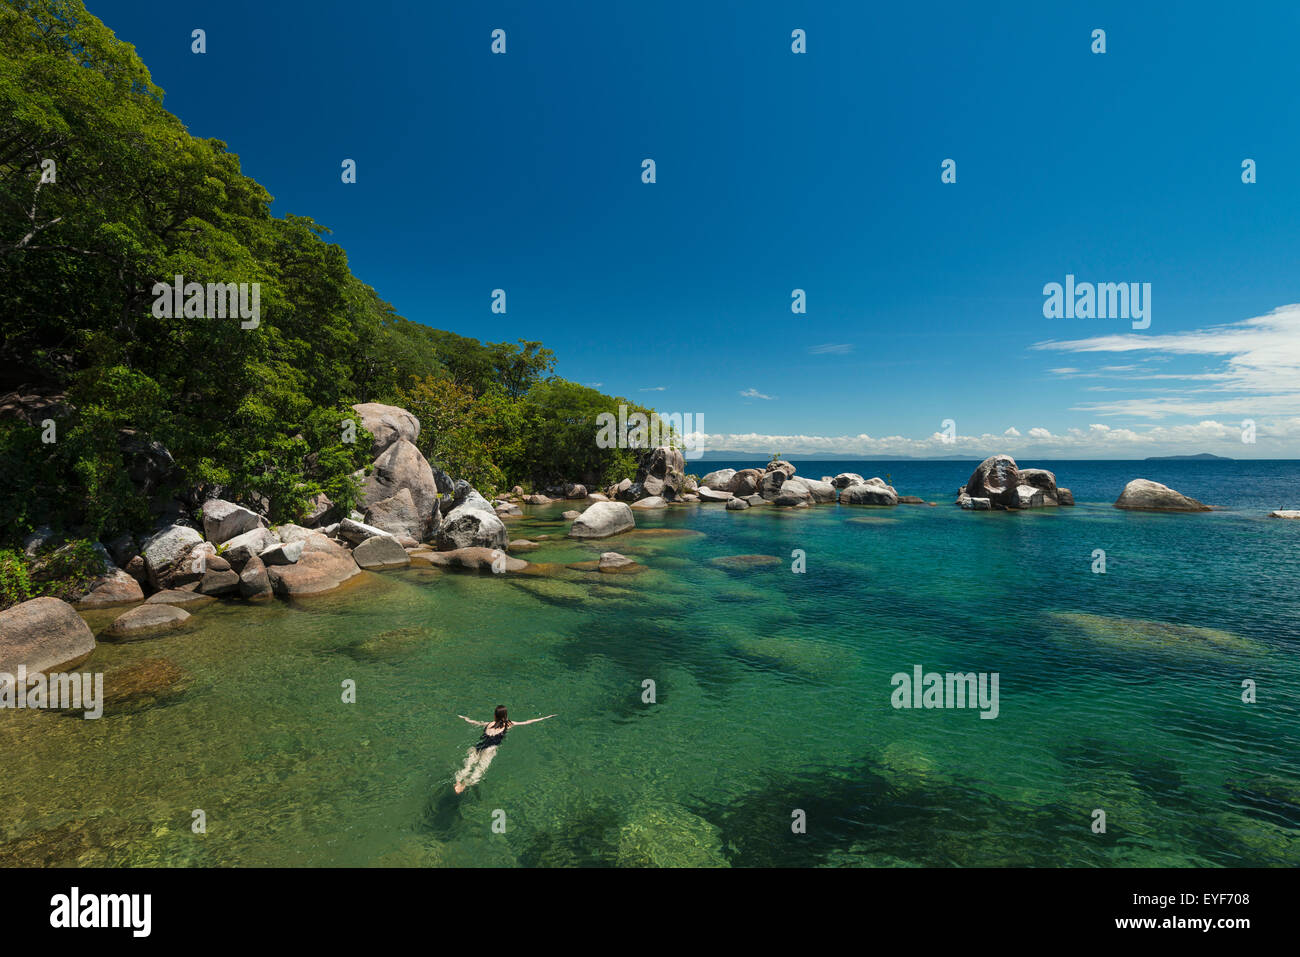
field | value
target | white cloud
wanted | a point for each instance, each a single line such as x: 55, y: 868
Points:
x: 1275, y: 439
x: 1254, y: 369
x: 831, y: 348
x: 656, y: 388
x: 1013, y: 432
x: 755, y: 394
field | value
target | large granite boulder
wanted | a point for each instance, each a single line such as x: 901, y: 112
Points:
x: 820, y: 491
x: 167, y: 556
x: 792, y: 494
x: 660, y: 473
x: 381, y: 551
x: 44, y: 634
x: 283, y: 553
x: 469, y: 527
x: 602, y: 520
x: 719, y: 479
x: 145, y: 621
x: 387, y: 424
x: 241, y: 548
x: 780, y: 465
x: 1007, y: 486
x: 224, y: 520
x: 401, y: 466
x: 769, y: 486
x: 709, y: 494
x: 869, y: 493
x: 112, y: 587
x: 465, y: 495
x: 745, y: 482
x: 996, y: 479
x: 845, y: 479
x: 1145, y: 495
x: 399, y: 516
x: 322, y: 566
x: 354, y: 532
x: 254, y: 582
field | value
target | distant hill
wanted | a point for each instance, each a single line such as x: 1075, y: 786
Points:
x: 1199, y: 457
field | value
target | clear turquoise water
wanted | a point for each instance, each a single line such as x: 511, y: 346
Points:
x: 773, y: 695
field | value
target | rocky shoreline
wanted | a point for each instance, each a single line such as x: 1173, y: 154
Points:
x: 414, y: 513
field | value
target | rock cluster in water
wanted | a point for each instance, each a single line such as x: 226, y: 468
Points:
x: 998, y: 483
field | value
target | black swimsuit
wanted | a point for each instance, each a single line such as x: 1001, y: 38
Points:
x: 491, y: 740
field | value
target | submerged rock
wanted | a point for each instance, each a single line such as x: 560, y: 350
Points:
x: 394, y: 643
x: 144, y: 684
x: 744, y: 562
x: 1145, y: 495
x: 669, y: 836
x: 1139, y: 634
x: 476, y: 559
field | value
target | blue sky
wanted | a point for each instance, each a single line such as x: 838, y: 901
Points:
x: 818, y: 171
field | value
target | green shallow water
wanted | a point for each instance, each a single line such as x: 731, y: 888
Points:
x: 773, y: 695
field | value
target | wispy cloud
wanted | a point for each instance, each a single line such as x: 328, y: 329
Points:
x: 755, y: 394
x: 1255, y: 368
x: 656, y: 388
x: 831, y: 348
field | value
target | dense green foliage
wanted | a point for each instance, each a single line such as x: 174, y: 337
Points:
x: 63, y: 572
x: 257, y: 414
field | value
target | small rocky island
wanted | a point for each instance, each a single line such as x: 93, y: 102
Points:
x: 998, y: 483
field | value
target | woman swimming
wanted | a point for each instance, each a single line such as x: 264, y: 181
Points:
x: 482, y: 753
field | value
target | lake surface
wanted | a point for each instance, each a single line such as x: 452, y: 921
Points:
x: 1119, y: 692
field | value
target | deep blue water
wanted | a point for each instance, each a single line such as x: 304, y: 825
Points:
x: 1237, y: 484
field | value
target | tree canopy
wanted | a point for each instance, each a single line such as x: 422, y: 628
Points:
x: 104, y: 194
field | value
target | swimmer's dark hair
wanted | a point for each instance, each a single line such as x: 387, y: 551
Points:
x: 500, y: 717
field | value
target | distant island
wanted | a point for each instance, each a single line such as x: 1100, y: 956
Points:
x: 1199, y: 457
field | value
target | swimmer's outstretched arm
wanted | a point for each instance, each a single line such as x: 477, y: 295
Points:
x: 481, y: 724
x: 534, y: 720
